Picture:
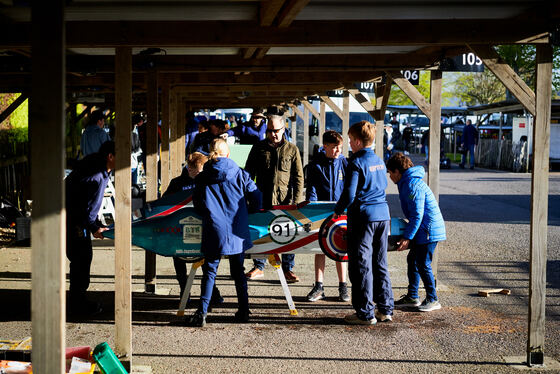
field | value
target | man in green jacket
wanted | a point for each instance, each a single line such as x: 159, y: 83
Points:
x: 276, y: 165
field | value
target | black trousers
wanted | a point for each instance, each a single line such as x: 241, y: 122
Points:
x: 79, y: 252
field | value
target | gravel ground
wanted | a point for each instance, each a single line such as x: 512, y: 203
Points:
x: 487, y: 216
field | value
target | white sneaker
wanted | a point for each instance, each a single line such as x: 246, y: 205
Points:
x: 353, y: 319
x: 428, y: 306
x: 383, y: 317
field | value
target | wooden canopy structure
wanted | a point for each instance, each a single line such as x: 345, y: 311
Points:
x: 167, y: 57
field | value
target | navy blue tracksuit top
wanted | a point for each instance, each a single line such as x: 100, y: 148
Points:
x: 364, y: 188
x: 325, y: 178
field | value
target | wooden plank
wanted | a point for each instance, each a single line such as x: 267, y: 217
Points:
x: 411, y: 92
x: 327, y: 100
x: 435, y: 131
x: 151, y: 167
x: 123, y: 231
x: 539, y: 207
x: 363, y: 101
x: 297, y: 111
x: 345, y: 122
x: 434, y: 145
x: 312, y: 110
x: 151, y: 137
x: 289, y: 12
x: 303, y: 33
x: 506, y: 75
x: 181, y: 135
x: 48, y: 228
x: 322, y: 120
x: 305, y: 135
x: 269, y: 10
x: 172, y: 134
x: 164, y: 153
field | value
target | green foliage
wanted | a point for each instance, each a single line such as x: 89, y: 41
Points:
x: 20, y: 117
x: 398, y: 97
x: 477, y: 88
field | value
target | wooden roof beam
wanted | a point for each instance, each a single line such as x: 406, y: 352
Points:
x: 307, y: 33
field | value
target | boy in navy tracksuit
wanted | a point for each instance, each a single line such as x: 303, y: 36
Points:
x: 368, y: 229
x: 325, y: 181
x: 425, y: 229
x: 220, y: 197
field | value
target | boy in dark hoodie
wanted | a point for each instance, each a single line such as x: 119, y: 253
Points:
x: 425, y: 229
x: 222, y: 194
x: 325, y: 181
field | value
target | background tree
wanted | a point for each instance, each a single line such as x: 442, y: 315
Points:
x: 398, y: 97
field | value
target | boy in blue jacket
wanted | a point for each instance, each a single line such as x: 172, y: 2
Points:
x: 221, y: 195
x: 325, y: 181
x: 425, y: 229
x: 368, y: 229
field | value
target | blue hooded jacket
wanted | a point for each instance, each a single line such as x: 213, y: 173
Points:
x: 247, y: 134
x: 419, y: 205
x: 364, y: 188
x: 220, y: 197
x: 325, y: 178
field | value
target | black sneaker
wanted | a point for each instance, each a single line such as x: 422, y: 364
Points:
x: 241, y: 316
x: 343, y: 294
x: 197, y: 320
x: 317, y: 293
x: 407, y: 301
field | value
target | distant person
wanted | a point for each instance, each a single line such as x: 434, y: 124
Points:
x: 253, y: 131
x: 468, y: 140
x: 222, y: 196
x: 276, y: 166
x: 186, y: 182
x: 368, y: 229
x: 325, y: 181
x: 191, y: 130
x: 424, y: 230
x: 408, y: 136
x: 424, y: 143
x: 85, y: 188
x: 136, y: 151
x: 94, y: 135
x: 217, y: 128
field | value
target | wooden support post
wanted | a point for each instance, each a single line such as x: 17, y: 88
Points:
x: 151, y: 169
x: 435, y: 132
x: 48, y: 229
x: 305, y: 135
x: 327, y: 100
x: 322, y: 120
x: 123, y: 232
x: 539, y: 207
x: 181, y: 135
x: 507, y: 75
x: 411, y: 92
x: 345, y: 121
x: 172, y: 135
x: 382, y: 93
x: 164, y: 154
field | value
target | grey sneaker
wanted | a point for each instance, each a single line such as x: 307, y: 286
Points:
x: 343, y: 293
x: 407, y: 301
x: 428, y: 306
x: 317, y: 293
x: 383, y: 317
x: 353, y: 319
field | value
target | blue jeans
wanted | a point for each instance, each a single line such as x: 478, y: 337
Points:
x: 209, y: 270
x: 288, y: 262
x: 470, y: 149
x: 419, y: 261
x: 368, y: 269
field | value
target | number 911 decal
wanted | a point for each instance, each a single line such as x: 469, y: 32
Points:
x: 282, y: 229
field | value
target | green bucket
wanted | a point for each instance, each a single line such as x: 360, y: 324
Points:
x: 107, y: 360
